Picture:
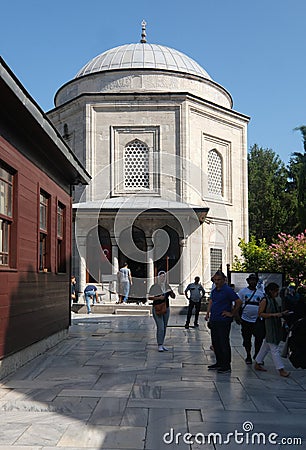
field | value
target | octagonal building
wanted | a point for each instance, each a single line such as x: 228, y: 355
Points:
x: 168, y: 159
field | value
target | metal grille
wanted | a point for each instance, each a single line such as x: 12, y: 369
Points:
x: 136, y: 166
x: 215, y: 260
x: 215, y: 182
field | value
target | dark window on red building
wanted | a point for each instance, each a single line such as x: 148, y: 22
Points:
x: 61, y: 241
x: 44, y: 232
x: 6, y: 215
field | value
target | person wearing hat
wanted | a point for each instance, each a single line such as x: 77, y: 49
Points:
x: 251, y: 324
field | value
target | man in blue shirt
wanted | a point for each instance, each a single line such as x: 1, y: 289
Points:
x: 223, y: 306
x: 91, y: 292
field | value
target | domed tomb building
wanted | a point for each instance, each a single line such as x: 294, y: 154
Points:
x: 168, y: 160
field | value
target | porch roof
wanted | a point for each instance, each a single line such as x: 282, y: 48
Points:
x: 139, y: 204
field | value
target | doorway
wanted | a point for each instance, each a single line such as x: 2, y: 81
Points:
x: 99, y: 255
x: 169, y: 262
x: 137, y: 265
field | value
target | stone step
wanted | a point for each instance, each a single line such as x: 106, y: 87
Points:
x: 133, y: 311
x: 130, y: 309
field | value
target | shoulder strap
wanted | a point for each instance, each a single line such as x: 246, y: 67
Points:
x: 248, y: 301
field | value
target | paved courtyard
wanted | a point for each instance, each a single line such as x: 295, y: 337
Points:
x: 107, y: 387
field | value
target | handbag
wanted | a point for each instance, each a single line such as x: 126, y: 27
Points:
x: 260, y: 327
x: 160, y: 308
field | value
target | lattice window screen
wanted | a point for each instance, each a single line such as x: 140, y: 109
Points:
x: 215, y: 175
x: 136, y: 165
x: 215, y: 260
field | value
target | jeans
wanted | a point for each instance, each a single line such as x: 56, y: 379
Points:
x: 88, y: 296
x: 220, y: 339
x: 125, y: 290
x: 197, y: 306
x: 161, y: 326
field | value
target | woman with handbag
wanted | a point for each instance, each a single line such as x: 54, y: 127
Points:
x: 270, y: 312
x: 160, y: 293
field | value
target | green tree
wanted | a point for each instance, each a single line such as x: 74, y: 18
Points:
x: 297, y: 174
x: 256, y: 256
x: 271, y: 204
x: 287, y: 255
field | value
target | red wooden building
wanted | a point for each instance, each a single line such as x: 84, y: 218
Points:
x: 37, y: 174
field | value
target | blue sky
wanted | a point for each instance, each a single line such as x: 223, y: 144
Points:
x: 255, y: 49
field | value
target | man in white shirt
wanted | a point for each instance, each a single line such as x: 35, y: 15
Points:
x: 196, y: 293
x: 251, y: 324
x: 125, y: 282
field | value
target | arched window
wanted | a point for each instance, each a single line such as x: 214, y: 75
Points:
x: 215, y: 173
x: 136, y: 166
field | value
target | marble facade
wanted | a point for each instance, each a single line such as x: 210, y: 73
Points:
x: 165, y: 144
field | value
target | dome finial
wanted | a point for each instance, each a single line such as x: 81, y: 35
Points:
x: 143, y: 32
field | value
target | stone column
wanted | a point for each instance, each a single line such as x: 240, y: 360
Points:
x: 81, y: 248
x: 150, y: 262
x: 115, y: 263
x: 184, y: 265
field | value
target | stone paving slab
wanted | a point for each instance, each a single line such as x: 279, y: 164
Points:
x: 107, y: 387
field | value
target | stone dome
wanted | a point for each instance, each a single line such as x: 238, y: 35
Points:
x: 140, y: 69
x: 143, y: 56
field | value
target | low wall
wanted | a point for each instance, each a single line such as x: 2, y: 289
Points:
x: 19, y: 359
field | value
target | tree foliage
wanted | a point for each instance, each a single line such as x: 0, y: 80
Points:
x: 272, y: 204
x: 256, y: 256
x: 287, y: 255
x: 297, y: 174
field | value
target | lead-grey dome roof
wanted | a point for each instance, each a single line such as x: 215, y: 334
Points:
x: 143, y: 56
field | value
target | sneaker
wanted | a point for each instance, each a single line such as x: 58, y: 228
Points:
x: 187, y: 326
x: 213, y: 367
x: 165, y: 349
x: 248, y: 360
x: 261, y: 363
x: 196, y: 325
x: 160, y: 348
x: 259, y: 367
x: 221, y: 370
x: 284, y: 373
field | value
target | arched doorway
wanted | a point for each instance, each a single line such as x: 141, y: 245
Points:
x: 136, y: 264
x: 99, y: 255
x: 169, y: 262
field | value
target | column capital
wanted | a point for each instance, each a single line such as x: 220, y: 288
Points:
x: 114, y: 240
x: 183, y: 242
x: 149, y: 241
x: 81, y: 240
